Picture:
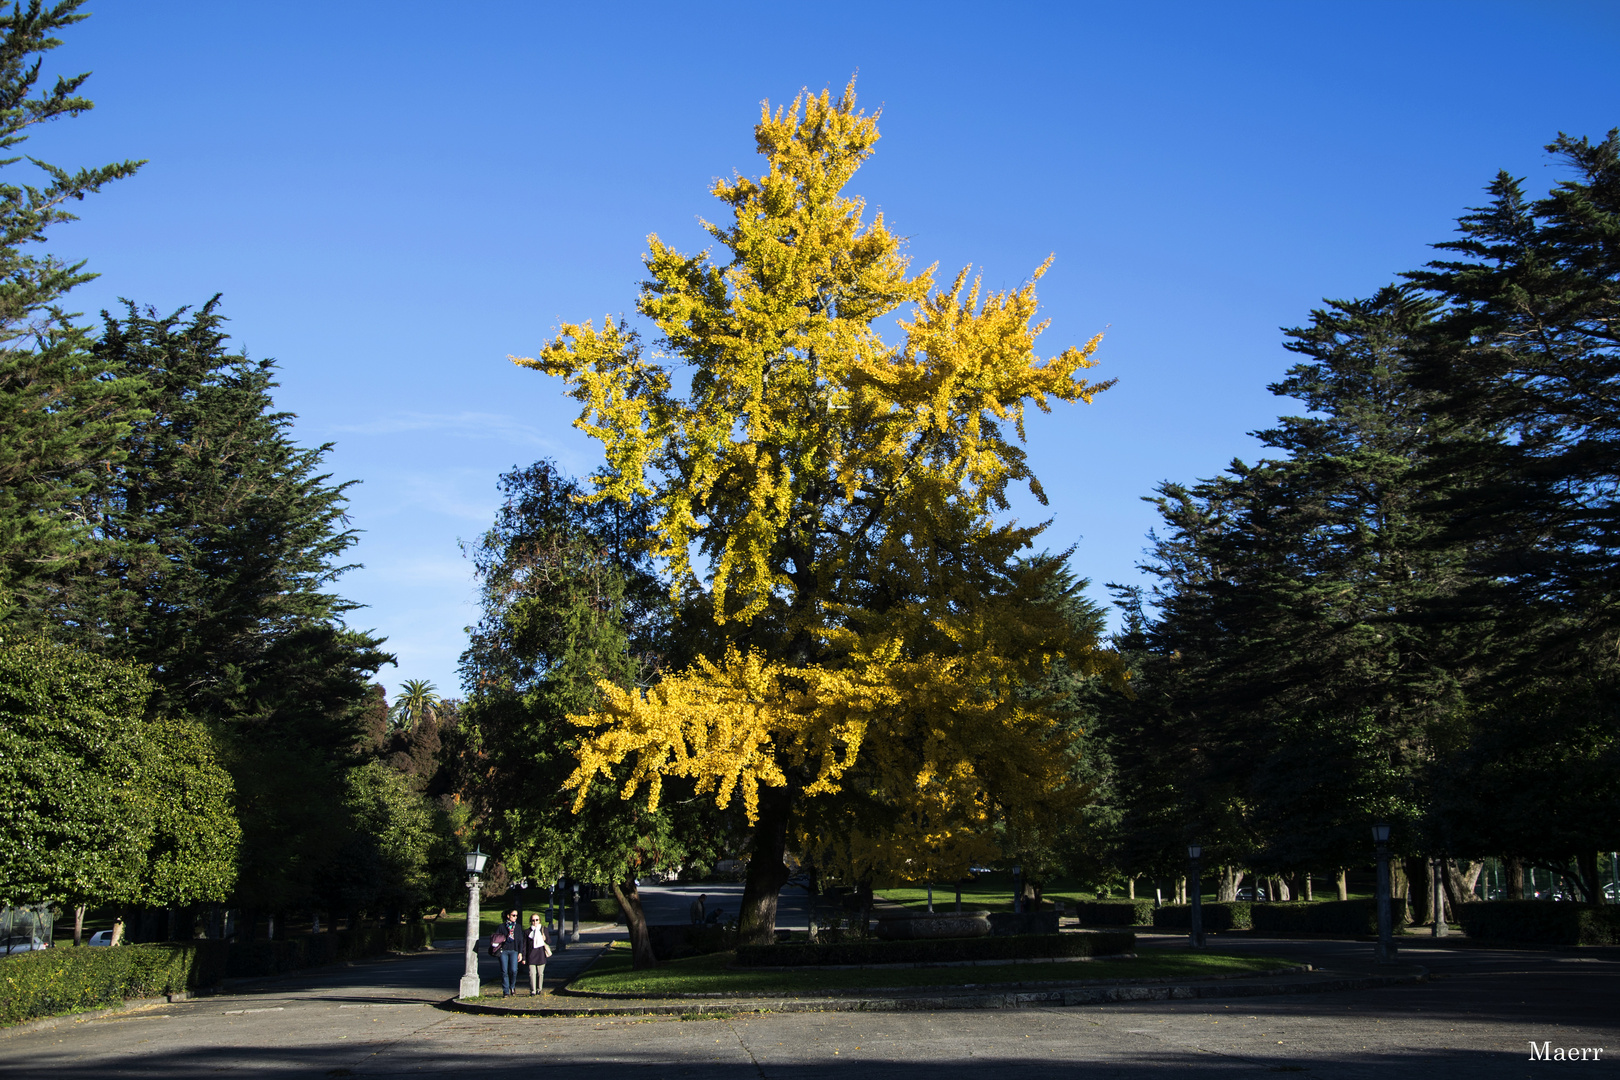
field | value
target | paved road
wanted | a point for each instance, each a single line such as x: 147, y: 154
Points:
x: 1474, y: 1021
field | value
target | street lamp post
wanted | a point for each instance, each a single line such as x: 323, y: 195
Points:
x: 1195, y: 889
x: 470, y: 983
x: 1386, y: 941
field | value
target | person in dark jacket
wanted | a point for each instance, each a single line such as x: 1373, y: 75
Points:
x: 536, y: 948
x: 511, y: 953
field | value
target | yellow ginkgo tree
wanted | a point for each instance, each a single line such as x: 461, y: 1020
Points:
x: 833, y: 497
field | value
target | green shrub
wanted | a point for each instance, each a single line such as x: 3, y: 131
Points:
x: 939, y: 950
x: 1351, y: 918
x: 674, y: 941
x: 606, y: 909
x: 64, y: 979
x: 1217, y: 916
x: 1541, y: 922
x: 1115, y: 912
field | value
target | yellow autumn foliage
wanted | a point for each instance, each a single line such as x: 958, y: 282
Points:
x: 839, y: 494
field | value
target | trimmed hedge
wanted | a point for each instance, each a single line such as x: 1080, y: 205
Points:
x: 65, y: 978
x: 1217, y: 916
x: 605, y: 909
x: 1353, y: 918
x: 938, y: 950
x: 1115, y: 912
x: 1542, y: 922
x: 1014, y: 923
x: 673, y: 941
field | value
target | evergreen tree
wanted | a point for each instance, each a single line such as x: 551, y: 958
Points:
x: 102, y: 800
x: 60, y: 415
x: 1299, y: 679
x: 1530, y: 344
x: 221, y: 536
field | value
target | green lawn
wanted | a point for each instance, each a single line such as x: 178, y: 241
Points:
x: 612, y: 974
x: 990, y: 892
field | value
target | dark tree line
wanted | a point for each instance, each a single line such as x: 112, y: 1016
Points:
x: 159, y: 520
x: 1406, y: 610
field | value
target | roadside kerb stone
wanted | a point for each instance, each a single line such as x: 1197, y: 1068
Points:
x: 912, y: 991
x: 1314, y: 982
x: 936, y: 963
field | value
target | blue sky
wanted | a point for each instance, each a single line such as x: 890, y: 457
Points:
x: 394, y: 197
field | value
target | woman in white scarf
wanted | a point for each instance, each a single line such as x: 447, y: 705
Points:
x: 535, y: 950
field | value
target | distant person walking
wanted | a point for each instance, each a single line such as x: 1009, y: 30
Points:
x: 697, y: 908
x: 536, y: 948
x: 507, y: 943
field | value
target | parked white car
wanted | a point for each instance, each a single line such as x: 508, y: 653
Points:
x: 100, y: 937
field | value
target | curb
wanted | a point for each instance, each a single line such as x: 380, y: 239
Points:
x: 1095, y: 995
x: 1021, y: 986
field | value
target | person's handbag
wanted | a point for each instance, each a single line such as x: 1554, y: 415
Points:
x: 496, y: 940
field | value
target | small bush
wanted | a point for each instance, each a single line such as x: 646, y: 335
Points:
x: 673, y: 941
x: 939, y: 950
x: 1541, y: 922
x: 606, y: 909
x: 1115, y: 912
x: 1352, y: 918
x: 1218, y: 916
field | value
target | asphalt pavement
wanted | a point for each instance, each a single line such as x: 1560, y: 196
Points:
x: 1476, y: 1019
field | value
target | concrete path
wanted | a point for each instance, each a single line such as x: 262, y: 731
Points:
x: 1475, y: 1020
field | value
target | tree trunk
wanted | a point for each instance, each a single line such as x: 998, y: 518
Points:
x: 1308, y: 894
x: 78, y: 924
x: 1460, y: 883
x: 1279, y: 890
x: 1130, y: 888
x: 767, y: 869
x: 641, y: 953
x: 1587, y: 862
x: 1418, y: 892
x: 1515, y: 879
x: 1227, y: 890
x: 1344, y: 884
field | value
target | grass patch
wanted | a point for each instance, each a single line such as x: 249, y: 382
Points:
x: 988, y: 892
x: 612, y: 974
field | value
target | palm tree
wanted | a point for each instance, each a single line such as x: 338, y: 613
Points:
x: 417, y: 698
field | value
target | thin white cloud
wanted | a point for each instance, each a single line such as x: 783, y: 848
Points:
x: 470, y: 425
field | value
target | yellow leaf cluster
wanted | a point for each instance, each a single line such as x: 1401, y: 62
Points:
x: 803, y: 434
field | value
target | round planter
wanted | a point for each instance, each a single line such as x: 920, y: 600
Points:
x: 968, y: 924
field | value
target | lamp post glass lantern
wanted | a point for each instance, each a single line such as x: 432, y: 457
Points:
x: 470, y: 983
